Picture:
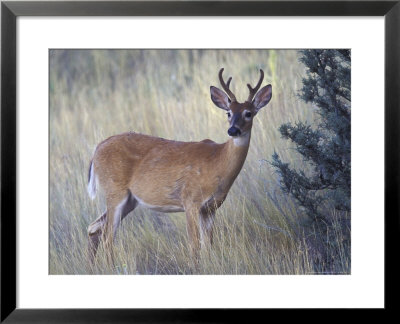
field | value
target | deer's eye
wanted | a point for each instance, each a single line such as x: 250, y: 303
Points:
x: 247, y: 114
x: 229, y: 114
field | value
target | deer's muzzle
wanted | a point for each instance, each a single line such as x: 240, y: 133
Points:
x: 234, y: 131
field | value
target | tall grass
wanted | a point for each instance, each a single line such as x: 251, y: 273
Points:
x: 98, y: 93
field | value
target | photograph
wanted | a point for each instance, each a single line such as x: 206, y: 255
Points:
x: 199, y: 161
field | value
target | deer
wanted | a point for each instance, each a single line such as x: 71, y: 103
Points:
x: 172, y: 176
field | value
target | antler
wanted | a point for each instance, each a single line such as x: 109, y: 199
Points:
x: 253, y: 91
x: 225, y: 86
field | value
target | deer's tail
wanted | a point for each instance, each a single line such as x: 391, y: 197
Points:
x: 92, y: 182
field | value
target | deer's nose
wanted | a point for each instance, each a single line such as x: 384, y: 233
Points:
x: 234, y: 131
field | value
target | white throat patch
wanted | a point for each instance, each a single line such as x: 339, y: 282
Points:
x: 242, y: 140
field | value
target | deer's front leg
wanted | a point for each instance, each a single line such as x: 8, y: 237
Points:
x: 206, y: 228
x: 193, y: 230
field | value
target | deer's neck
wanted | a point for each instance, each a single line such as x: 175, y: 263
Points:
x: 234, y: 155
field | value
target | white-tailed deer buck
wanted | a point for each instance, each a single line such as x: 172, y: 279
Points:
x: 171, y: 176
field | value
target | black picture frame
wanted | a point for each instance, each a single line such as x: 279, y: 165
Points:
x: 11, y: 10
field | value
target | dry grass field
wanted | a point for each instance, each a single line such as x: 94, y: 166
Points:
x: 258, y: 230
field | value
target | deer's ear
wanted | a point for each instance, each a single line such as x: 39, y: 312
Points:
x: 262, y: 97
x: 219, y: 98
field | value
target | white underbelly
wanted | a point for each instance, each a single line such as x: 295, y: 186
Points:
x: 163, y: 209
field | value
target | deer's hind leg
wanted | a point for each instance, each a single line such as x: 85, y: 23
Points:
x: 105, y: 227
x: 95, y: 231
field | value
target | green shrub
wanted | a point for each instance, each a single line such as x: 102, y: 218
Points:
x: 326, y: 147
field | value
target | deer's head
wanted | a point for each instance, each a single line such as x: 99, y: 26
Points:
x: 240, y: 115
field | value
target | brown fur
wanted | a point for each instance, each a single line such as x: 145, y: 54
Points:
x: 167, y: 175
